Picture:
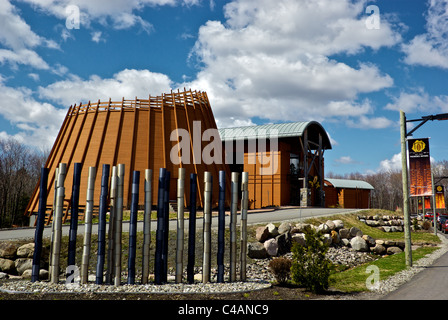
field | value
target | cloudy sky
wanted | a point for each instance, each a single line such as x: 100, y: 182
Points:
x: 349, y: 64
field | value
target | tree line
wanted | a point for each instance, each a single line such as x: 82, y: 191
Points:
x: 19, y: 173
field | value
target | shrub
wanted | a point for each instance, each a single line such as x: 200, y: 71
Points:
x: 281, y: 269
x: 310, y: 267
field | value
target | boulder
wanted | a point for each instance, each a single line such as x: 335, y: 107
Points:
x: 284, y: 227
x: 393, y: 250
x: 379, y: 249
x: 338, y: 224
x: 327, y: 239
x: 7, y: 265
x: 345, y: 242
x: 256, y: 250
x: 273, y: 230
x: 331, y: 225
x: 355, y: 232
x: 8, y: 250
x: 370, y: 241
x: 262, y: 234
x: 43, y: 274
x: 25, y: 251
x: 23, y: 264
x: 302, y: 227
x: 284, y: 243
x: 271, y: 247
x: 3, y: 275
x: 299, y: 238
x: 323, y: 228
x: 335, y: 238
x: 359, y: 244
x: 344, y: 233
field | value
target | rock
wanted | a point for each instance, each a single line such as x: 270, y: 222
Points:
x: 302, y: 227
x: 335, y: 238
x: 256, y: 250
x: 23, y: 264
x: 323, y: 228
x: 338, y: 224
x: 372, y: 223
x: 3, y: 275
x: 393, y: 250
x: 299, y: 238
x: 273, y: 230
x: 7, y: 265
x: 327, y: 239
x: 355, y: 232
x: 330, y: 225
x: 390, y: 243
x: 271, y: 247
x: 26, y: 251
x: 8, y: 250
x: 379, y: 249
x: 359, y: 244
x: 43, y: 274
x: 345, y: 242
x: 344, y: 233
x: 262, y: 234
x: 284, y: 243
x: 379, y: 241
x: 284, y: 227
x: 370, y: 241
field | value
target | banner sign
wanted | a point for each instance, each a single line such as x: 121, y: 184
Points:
x: 419, y: 167
x: 440, y: 197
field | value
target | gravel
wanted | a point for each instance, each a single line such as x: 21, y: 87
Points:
x: 259, y: 277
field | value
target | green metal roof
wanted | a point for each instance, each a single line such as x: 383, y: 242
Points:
x: 281, y: 130
x: 349, y: 184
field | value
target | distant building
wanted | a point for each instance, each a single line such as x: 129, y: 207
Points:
x: 285, y: 162
x: 345, y: 193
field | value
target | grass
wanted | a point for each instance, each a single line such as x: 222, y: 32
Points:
x: 355, y: 279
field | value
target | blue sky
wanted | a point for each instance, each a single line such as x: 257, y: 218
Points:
x: 259, y: 62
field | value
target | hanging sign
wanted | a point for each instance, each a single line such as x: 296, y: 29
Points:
x: 419, y: 167
x: 440, y: 197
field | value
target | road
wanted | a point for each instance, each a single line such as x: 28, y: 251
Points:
x: 429, y: 284
x: 253, y: 217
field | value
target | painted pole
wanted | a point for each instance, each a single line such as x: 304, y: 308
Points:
x: 147, y: 225
x: 57, y: 220
x: 207, y: 227
x: 40, y: 224
x: 180, y: 224
x: 159, y: 232
x: 102, y: 224
x: 221, y: 225
x: 133, y: 227
x: 111, y: 231
x: 74, y: 215
x: 233, y: 211
x: 55, y: 195
x: 166, y: 230
x: 88, y: 225
x: 405, y: 181
x: 192, y: 228
x: 118, y: 225
x: 243, y: 233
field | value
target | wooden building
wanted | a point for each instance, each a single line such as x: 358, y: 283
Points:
x: 343, y: 193
x: 285, y: 162
x: 139, y: 133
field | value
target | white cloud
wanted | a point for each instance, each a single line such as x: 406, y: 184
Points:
x: 346, y: 160
x: 128, y: 83
x: 418, y: 100
x: 392, y: 164
x: 270, y: 59
x: 431, y: 49
x: 38, y: 122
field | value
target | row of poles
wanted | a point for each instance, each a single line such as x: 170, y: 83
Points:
x: 115, y: 206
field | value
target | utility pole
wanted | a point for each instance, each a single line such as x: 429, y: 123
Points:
x: 404, y: 170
